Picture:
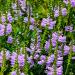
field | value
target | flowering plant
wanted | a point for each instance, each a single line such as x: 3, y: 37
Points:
x: 37, y: 37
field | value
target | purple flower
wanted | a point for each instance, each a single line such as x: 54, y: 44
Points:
x: 8, y: 29
x: 13, y: 73
x: 66, y: 1
x: 60, y: 70
x: 52, y: 24
x: 2, y: 29
x: 29, y: 59
x: 32, y: 20
x: 66, y: 49
x: 13, y: 58
x: 14, y: 5
x: 68, y: 28
x: 31, y: 27
x: 59, y: 63
x: 55, y: 35
x: 21, y: 60
x: 44, y: 22
x: 73, y: 58
x: 10, y: 39
x: 49, y: 73
x: 50, y: 70
x: 38, y: 45
x: 56, y: 13
x: 32, y: 64
x: 3, y: 19
x: 60, y: 58
x: 9, y: 18
x: 22, y: 74
x: 36, y: 56
x: 40, y: 62
x: 72, y: 3
x: 50, y: 60
x: 25, y: 19
x: 73, y: 48
x: 21, y: 13
x: 43, y: 57
x: 1, y: 59
x: 59, y: 53
x: 2, y: 32
x: 22, y: 3
x: 47, y: 44
x: 7, y: 54
x: 29, y: 50
x: 53, y: 42
x: 64, y: 11
x: 62, y: 39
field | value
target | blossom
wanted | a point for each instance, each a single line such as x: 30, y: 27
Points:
x: 36, y: 56
x: 9, y: 18
x: 7, y: 54
x: 40, y: 62
x: 8, y: 29
x: 10, y: 39
x: 59, y: 63
x: 47, y: 44
x: 50, y: 60
x: 31, y: 27
x: 55, y: 35
x: 60, y: 58
x: 49, y: 73
x: 43, y: 57
x: 60, y: 70
x: 13, y: 58
x: 73, y: 58
x: 53, y: 40
x: 22, y: 3
x: 66, y: 1
x: 14, y: 5
x: 29, y: 59
x: 3, y: 19
x: 32, y: 20
x: 72, y: 3
x: 62, y: 39
x: 21, y: 13
x: 59, y: 53
x: 64, y: 11
x: 13, y: 73
x: 2, y: 29
x: 73, y: 48
x: 25, y: 19
x: 22, y: 74
x: 52, y: 24
x: 44, y: 22
x: 69, y: 28
x: 56, y: 13
x: 66, y: 49
x: 50, y: 70
x: 21, y: 60
x: 1, y: 59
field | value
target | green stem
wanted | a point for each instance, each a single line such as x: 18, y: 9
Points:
x: 55, y: 54
x: 50, y: 4
x: 3, y: 62
x: 69, y: 60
